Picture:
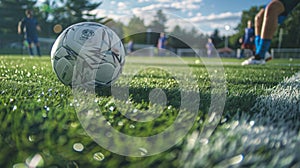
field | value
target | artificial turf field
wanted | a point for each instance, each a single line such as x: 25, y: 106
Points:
x: 258, y: 126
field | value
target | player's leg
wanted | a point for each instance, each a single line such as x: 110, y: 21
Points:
x: 258, y: 25
x: 273, y: 10
x: 37, y: 45
x: 269, y: 26
x: 29, y: 41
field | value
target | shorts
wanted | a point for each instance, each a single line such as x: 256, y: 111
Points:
x: 32, y: 39
x: 250, y: 46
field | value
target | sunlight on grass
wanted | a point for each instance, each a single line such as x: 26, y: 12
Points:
x: 39, y: 124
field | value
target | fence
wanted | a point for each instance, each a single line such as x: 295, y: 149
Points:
x: 285, y: 52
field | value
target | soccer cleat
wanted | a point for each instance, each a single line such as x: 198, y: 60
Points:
x: 253, y: 61
x: 268, y: 57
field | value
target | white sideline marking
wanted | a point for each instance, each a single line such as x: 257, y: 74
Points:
x: 282, y: 104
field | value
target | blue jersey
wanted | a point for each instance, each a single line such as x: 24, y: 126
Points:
x: 249, y: 33
x: 30, y: 25
x: 161, y: 42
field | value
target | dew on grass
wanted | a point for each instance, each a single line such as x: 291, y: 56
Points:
x: 44, y: 115
x: 120, y: 123
x: 143, y: 151
x: 78, y: 147
x: 204, y: 141
x: 111, y: 108
x: 41, y: 94
x: 236, y: 159
x: 28, y: 74
x: 47, y: 108
x: 14, y: 108
x: 98, y: 156
x: 35, y: 161
x: 74, y: 124
x: 223, y: 120
x: 131, y: 126
x: 31, y: 138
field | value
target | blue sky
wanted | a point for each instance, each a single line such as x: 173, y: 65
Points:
x: 204, y: 15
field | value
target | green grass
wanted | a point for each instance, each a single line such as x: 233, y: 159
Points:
x: 38, y: 114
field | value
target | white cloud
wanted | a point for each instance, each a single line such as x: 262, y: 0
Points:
x: 163, y: 1
x: 155, y: 7
x: 142, y: 1
x: 172, y: 6
x: 190, y: 14
x: 185, y: 5
x: 180, y: 13
x: 121, y: 5
x: 217, y: 17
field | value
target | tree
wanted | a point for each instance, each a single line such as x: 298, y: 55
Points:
x: 158, y: 24
x: 180, y: 38
x: 70, y: 12
x: 136, y: 30
x: 117, y: 27
x: 291, y: 33
x: 217, y: 40
x: 177, y: 38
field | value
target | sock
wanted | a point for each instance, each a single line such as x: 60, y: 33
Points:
x: 257, y: 40
x: 38, y: 50
x: 242, y: 53
x: 30, y: 51
x: 262, y: 48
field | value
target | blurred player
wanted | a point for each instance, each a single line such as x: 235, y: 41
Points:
x: 248, y: 39
x: 161, y: 44
x: 266, y: 22
x: 209, y: 47
x: 130, y: 46
x: 29, y: 27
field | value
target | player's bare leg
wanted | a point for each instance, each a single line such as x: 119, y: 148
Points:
x: 259, y: 21
x: 270, y: 22
x: 268, y: 27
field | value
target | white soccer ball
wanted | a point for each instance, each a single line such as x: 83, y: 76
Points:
x: 88, y: 53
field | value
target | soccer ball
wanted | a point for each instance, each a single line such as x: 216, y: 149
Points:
x: 87, y: 54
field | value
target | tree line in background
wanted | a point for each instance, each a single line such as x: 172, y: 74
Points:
x: 65, y: 13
